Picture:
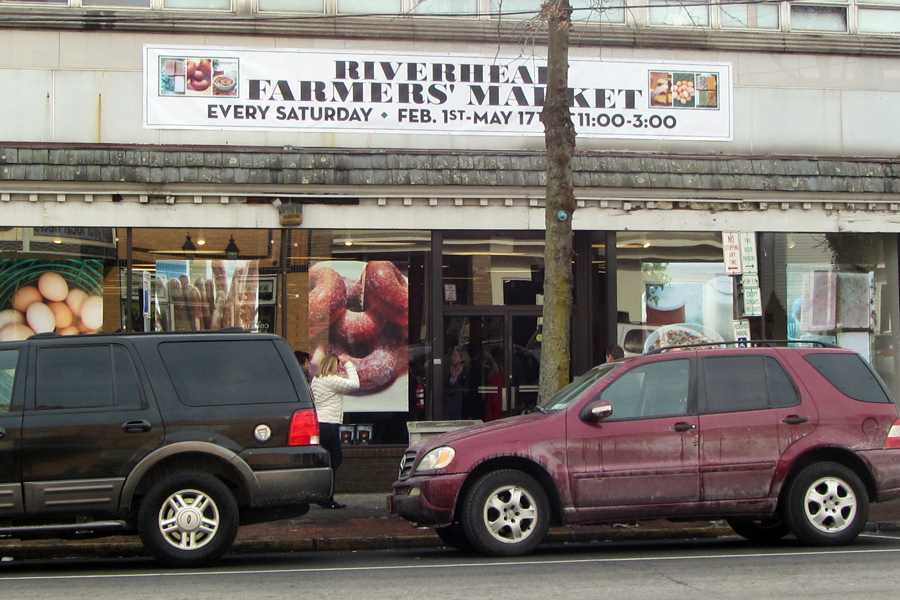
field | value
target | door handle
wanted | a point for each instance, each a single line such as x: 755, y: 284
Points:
x: 136, y: 426
x: 683, y: 426
x: 794, y: 420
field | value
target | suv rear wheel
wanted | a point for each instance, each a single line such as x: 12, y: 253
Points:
x: 827, y: 505
x: 506, y: 513
x: 188, y: 518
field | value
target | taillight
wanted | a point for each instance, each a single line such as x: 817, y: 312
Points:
x: 304, y: 428
x: 893, y: 438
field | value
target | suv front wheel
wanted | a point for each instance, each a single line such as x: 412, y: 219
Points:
x: 760, y: 530
x: 188, y: 518
x: 827, y: 505
x: 506, y: 513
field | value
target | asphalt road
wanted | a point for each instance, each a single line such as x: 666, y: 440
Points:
x: 710, y: 568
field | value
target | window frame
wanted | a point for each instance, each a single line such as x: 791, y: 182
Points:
x: 691, y: 407
x: 704, y: 406
x: 111, y: 348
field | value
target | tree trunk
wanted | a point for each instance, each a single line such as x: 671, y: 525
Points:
x: 559, y: 136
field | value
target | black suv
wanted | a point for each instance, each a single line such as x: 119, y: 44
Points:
x: 179, y: 437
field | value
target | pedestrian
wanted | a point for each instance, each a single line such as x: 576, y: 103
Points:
x: 614, y: 352
x: 492, y: 385
x: 303, y: 358
x: 328, y: 387
x: 456, y: 384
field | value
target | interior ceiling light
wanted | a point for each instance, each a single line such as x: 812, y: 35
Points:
x: 231, y: 250
x: 646, y: 245
x: 201, y: 241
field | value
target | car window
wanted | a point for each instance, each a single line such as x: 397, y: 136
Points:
x: 735, y: 383
x: 573, y: 391
x: 782, y: 392
x: 126, y: 385
x: 738, y: 383
x: 651, y: 390
x: 8, y: 361
x: 74, y: 377
x: 850, y: 374
x: 227, y: 372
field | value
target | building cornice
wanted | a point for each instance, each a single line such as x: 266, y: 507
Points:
x: 419, y: 29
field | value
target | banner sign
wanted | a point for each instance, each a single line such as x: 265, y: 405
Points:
x: 332, y: 91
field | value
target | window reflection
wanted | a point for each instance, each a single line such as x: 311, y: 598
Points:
x: 369, y: 7
x: 751, y: 16
x: 672, y: 289
x: 206, y: 4
x: 671, y: 12
x: 879, y: 21
x: 313, y: 6
x: 462, y: 8
x: 818, y: 18
x: 493, y: 271
x: 835, y: 287
x: 608, y: 11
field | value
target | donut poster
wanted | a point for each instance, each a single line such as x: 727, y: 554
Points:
x: 359, y: 311
x: 194, y: 295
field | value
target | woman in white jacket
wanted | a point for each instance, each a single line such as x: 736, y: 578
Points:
x: 328, y: 387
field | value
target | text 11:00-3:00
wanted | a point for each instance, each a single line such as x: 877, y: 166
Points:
x: 617, y: 120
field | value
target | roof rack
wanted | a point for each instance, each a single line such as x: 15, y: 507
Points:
x: 224, y: 330
x: 745, y: 344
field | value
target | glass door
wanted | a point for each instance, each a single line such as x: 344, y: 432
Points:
x: 491, y: 364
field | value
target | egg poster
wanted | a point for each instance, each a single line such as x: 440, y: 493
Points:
x: 63, y: 297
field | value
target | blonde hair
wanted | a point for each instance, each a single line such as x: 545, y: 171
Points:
x: 330, y: 366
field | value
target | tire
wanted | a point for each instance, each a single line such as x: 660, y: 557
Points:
x: 453, y: 536
x: 766, y: 530
x: 506, y: 513
x: 826, y: 505
x: 177, y: 531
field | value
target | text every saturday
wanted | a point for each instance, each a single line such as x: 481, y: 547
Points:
x: 284, y: 113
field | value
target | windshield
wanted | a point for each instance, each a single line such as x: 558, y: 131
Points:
x: 566, y: 396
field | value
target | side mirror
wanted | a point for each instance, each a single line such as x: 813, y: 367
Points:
x: 596, y: 411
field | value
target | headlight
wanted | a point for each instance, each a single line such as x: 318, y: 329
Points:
x: 436, y: 459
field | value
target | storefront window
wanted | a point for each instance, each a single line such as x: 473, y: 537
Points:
x: 839, y: 288
x: 493, y: 271
x: 368, y: 303
x: 672, y: 289
x: 57, y: 280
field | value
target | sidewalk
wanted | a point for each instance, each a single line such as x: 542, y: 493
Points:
x: 366, y: 525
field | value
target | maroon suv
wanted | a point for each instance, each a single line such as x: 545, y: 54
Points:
x: 776, y: 440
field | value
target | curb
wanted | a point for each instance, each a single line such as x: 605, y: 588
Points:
x: 128, y: 548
